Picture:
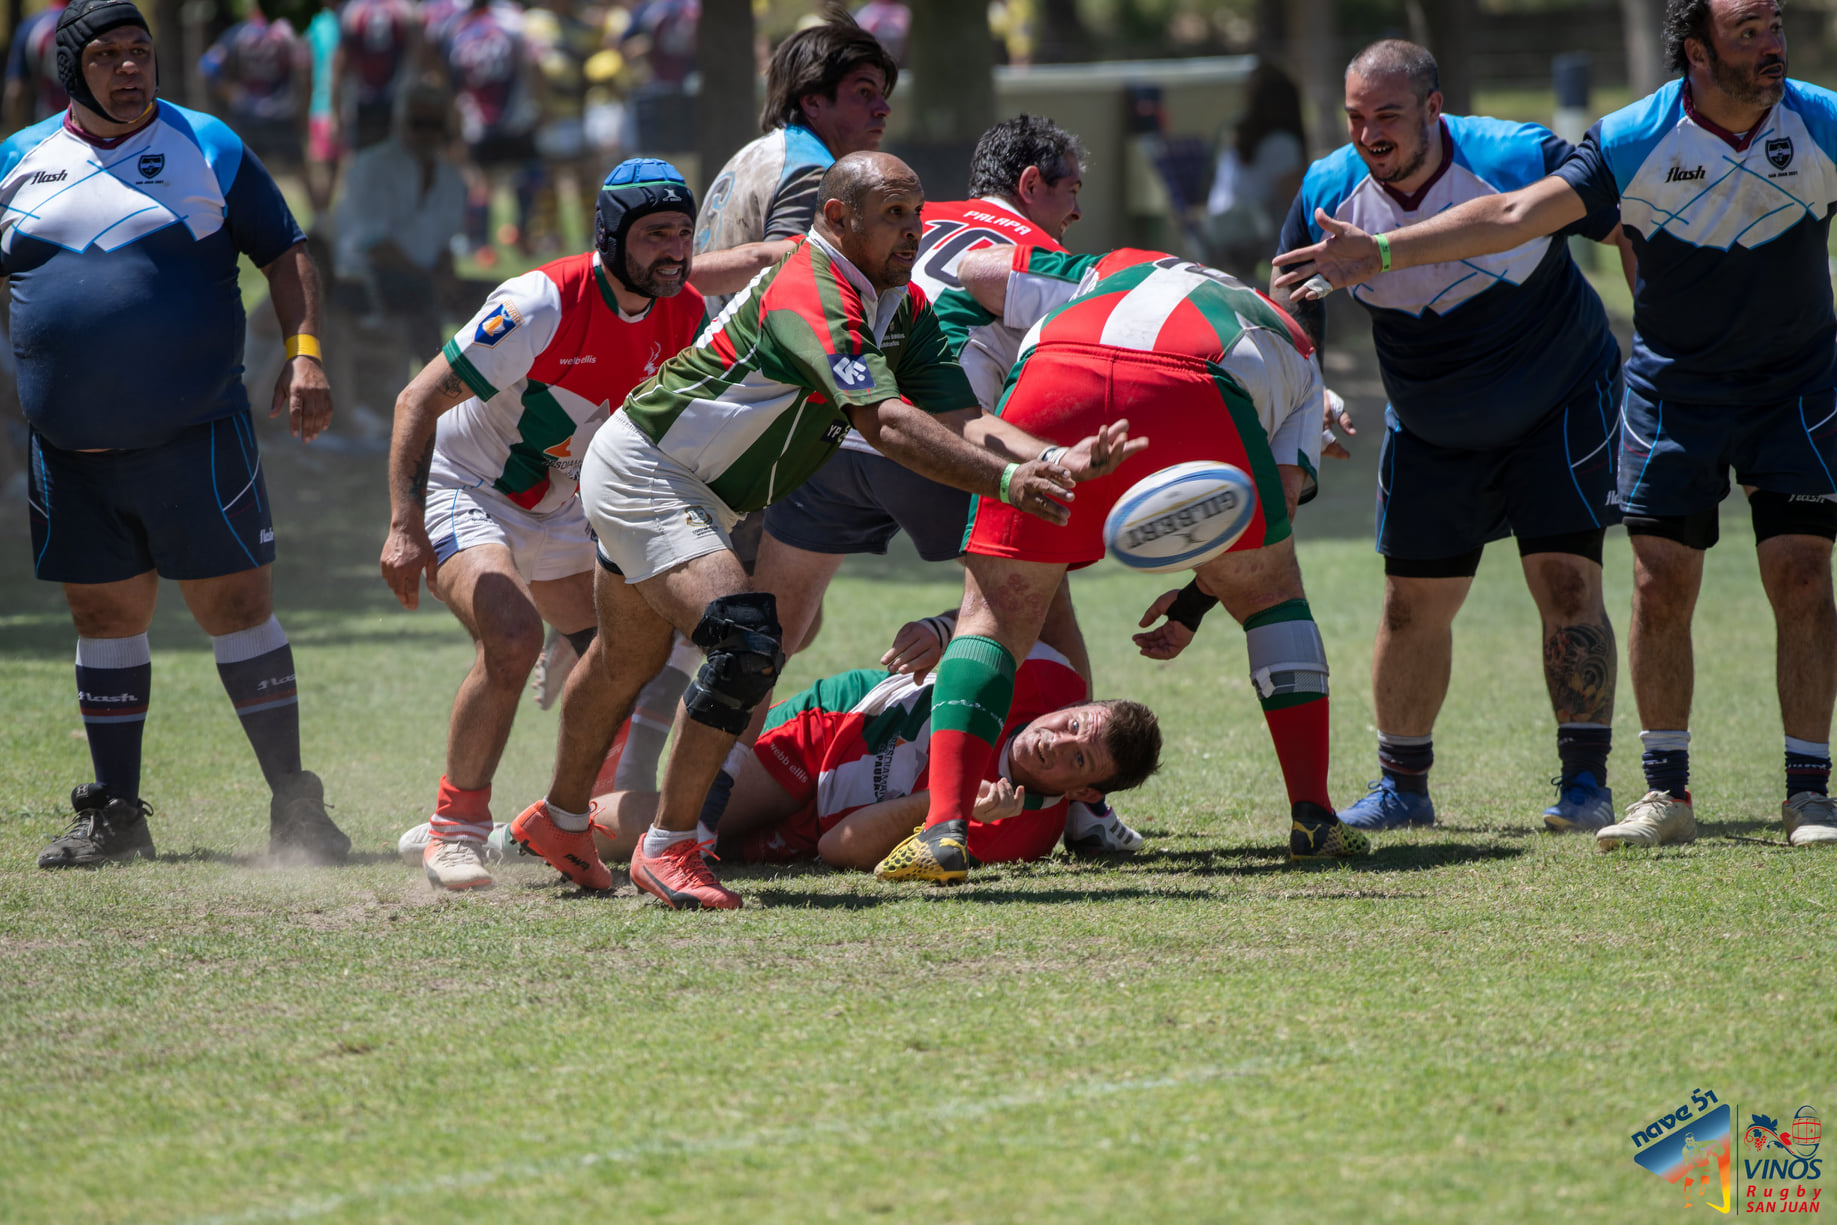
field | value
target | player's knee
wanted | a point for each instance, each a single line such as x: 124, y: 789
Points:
x: 743, y: 642
x: 1569, y: 593
x: 512, y: 647
x: 1796, y: 574
x: 1287, y: 658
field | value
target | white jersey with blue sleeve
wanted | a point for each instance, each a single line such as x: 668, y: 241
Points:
x: 1733, y: 303
x: 121, y: 255
x: 1474, y: 353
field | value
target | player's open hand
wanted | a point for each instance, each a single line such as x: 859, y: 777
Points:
x: 997, y: 801
x: 1333, y: 416
x: 1169, y: 638
x: 1042, y: 488
x: 303, y: 393
x: 1102, y: 453
x: 1345, y: 257
x: 407, y: 555
x: 917, y: 647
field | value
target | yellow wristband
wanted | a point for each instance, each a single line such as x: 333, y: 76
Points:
x: 304, y: 344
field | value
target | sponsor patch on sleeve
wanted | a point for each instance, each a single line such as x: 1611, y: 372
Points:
x: 501, y: 322
x: 851, y: 372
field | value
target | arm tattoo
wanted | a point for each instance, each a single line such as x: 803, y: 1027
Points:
x: 452, y: 386
x: 1579, y: 668
x: 417, y: 481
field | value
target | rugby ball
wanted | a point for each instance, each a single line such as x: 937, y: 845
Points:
x: 1180, y: 517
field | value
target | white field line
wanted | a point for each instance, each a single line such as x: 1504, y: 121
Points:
x: 513, y: 1172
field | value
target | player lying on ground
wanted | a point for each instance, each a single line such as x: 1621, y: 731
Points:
x: 827, y: 338
x: 485, y: 459
x: 1208, y: 369
x: 1726, y: 183
x: 840, y: 772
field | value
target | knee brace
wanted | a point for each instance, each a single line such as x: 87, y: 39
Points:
x: 580, y: 640
x: 1287, y: 658
x: 741, y: 636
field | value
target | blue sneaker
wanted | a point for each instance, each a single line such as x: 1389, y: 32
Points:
x: 1385, y: 807
x: 1582, y: 807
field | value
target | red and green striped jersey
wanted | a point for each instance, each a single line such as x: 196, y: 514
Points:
x: 548, y: 357
x: 758, y: 403
x: 1154, y: 302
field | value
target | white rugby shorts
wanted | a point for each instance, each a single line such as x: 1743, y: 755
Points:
x: 542, y: 547
x: 652, y: 513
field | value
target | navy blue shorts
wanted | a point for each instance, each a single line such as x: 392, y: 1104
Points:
x: 191, y: 508
x: 1434, y: 502
x: 857, y: 502
x: 1675, y: 458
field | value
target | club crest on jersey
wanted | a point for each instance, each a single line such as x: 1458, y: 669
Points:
x: 851, y: 372
x: 151, y: 164
x: 501, y: 322
x: 1779, y: 152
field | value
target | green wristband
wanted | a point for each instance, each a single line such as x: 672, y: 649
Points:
x: 1384, y: 252
x: 1007, y: 474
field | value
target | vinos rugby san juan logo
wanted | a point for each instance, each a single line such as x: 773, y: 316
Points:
x: 1704, y: 1149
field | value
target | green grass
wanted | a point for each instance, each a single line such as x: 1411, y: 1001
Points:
x: 1465, y: 1028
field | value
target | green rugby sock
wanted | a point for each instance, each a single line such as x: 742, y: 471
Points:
x: 969, y: 704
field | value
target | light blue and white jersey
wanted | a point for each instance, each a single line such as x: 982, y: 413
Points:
x: 1733, y: 304
x: 1474, y: 353
x: 127, y: 319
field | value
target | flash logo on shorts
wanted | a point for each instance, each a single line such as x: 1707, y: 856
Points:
x: 699, y: 520
x: 851, y: 372
x: 501, y: 322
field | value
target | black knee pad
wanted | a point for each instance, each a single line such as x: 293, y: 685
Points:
x: 580, y: 640
x: 1792, y: 514
x: 743, y: 642
x: 1697, y: 530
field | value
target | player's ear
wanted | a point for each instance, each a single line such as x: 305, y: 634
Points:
x: 1434, y: 103
x: 1085, y: 795
x: 1029, y: 182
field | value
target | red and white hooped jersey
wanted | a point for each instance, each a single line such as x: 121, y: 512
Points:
x: 549, y: 357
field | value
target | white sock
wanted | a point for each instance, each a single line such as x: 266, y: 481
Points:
x: 573, y: 822
x: 657, y: 841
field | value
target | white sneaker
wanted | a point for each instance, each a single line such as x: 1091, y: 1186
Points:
x: 1811, y: 819
x: 552, y: 669
x: 456, y: 863
x: 411, y: 844
x: 1097, y: 830
x: 1654, y: 819
x: 500, y: 847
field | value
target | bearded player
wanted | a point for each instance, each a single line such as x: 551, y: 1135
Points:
x: 485, y: 460
x: 1217, y: 372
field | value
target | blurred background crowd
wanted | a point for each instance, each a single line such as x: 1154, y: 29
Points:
x: 434, y: 147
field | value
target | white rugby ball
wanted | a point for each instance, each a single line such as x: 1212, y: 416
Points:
x: 1180, y: 517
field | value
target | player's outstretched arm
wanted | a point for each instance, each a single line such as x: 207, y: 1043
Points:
x: 407, y: 553
x: 302, y: 391
x: 730, y: 270
x: 1097, y: 455
x: 983, y: 274
x: 913, y: 438
x: 1349, y: 256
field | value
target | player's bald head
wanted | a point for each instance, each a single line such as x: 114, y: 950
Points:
x: 853, y: 178
x: 1401, y: 58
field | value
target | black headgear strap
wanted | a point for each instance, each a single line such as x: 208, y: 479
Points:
x: 82, y: 23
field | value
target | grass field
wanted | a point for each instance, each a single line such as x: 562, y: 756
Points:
x: 1465, y: 1028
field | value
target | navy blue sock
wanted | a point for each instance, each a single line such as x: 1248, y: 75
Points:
x: 1808, y: 767
x: 1583, y: 749
x: 1667, y: 762
x: 256, y: 666
x: 114, y: 683
x: 1405, y: 760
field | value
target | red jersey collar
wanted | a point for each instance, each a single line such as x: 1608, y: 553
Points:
x: 71, y: 126
x: 1738, y: 143
x: 1412, y: 201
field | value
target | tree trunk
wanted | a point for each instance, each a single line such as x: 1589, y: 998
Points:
x: 169, y: 49
x: 1642, y: 20
x: 953, y: 71
x: 1320, y: 65
x: 1450, y: 26
x: 727, y: 112
x: 1061, y: 36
